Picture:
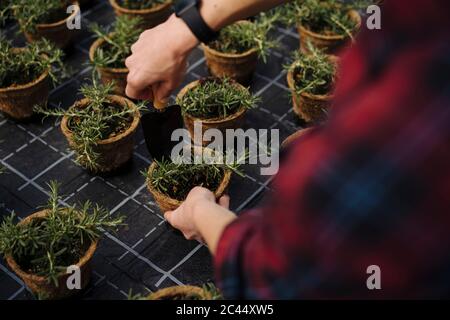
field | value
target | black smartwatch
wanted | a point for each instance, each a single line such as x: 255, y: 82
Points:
x: 188, y: 11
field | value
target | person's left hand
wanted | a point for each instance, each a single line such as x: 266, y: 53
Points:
x: 183, y: 218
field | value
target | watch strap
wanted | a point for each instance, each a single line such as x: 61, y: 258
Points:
x: 198, y: 26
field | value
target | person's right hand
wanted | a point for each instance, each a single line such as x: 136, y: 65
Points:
x: 158, y: 61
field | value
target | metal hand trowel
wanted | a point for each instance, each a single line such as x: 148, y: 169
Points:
x: 158, y: 127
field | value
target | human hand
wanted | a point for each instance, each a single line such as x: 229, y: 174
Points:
x: 184, y: 218
x: 158, y: 61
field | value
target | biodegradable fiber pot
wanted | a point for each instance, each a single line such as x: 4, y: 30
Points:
x: 151, y: 17
x: 18, y: 101
x: 181, y: 293
x: 237, y: 66
x: 40, y: 285
x: 166, y: 203
x: 329, y: 43
x: 108, y: 75
x: 114, y: 151
x: 56, y: 32
x: 309, y: 107
x: 293, y: 137
x: 233, y: 121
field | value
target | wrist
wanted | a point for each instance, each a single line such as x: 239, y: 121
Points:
x: 185, y: 40
x: 199, y: 209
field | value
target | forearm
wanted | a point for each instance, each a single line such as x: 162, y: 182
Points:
x: 211, y: 220
x: 220, y: 13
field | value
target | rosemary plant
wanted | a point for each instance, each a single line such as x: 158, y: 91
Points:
x: 176, y: 178
x: 32, y: 12
x: 26, y: 66
x: 216, y: 98
x: 322, y: 16
x: 98, y: 120
x: 314, y: 73
x: 241, y: 37
x: 118, y: 40
x: 140, y: 4
x: 48, y: 245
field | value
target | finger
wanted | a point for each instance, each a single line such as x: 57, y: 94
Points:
x: 145, y: 94
x: 224, y: 201
x: 168, y: 216
x: 129, y: 62
x: 134, y: 47
x: 165, y: 88
x: 138, y: 87
x: 160, y: 101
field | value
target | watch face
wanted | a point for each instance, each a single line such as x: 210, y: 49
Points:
x: 182, y: 6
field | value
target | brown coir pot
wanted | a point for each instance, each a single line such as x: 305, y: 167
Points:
x: 181, y: 293
x: 312, y: 108
x: 293, y: 137
x: 108, y: 75
x: 117, y: 150
x: 40, y: 286
x: 237, y: 66
x: 151, y: 17
x: 18, y: 101
x: 56, y: 32
x: 166, y: 203
x: 329, y: 43
x: 233, y: 121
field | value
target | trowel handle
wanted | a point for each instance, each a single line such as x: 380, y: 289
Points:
x: 158, y: 104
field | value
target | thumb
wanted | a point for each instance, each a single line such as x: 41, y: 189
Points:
x: 168, y: 216
x: 224, y: 201
x: 163, y: 90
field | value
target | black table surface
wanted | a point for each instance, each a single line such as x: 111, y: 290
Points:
x: 147, y: 254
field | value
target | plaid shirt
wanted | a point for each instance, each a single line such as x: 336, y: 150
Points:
x: 371, y: 187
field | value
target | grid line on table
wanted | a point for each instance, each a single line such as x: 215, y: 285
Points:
x: 116, y: 240
x: 182, y: 261
x: 15, y: 294
x: 66, y: 156
x: 11, y: 275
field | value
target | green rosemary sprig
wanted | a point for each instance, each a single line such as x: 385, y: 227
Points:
x: 314, y: 73
x: 29, y: 13
x: 322, y: 16
x: 243, y: 36
x: 176, y: 178
x: 20, y: 68
x: 216, y: 98
x: 118, y: 40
